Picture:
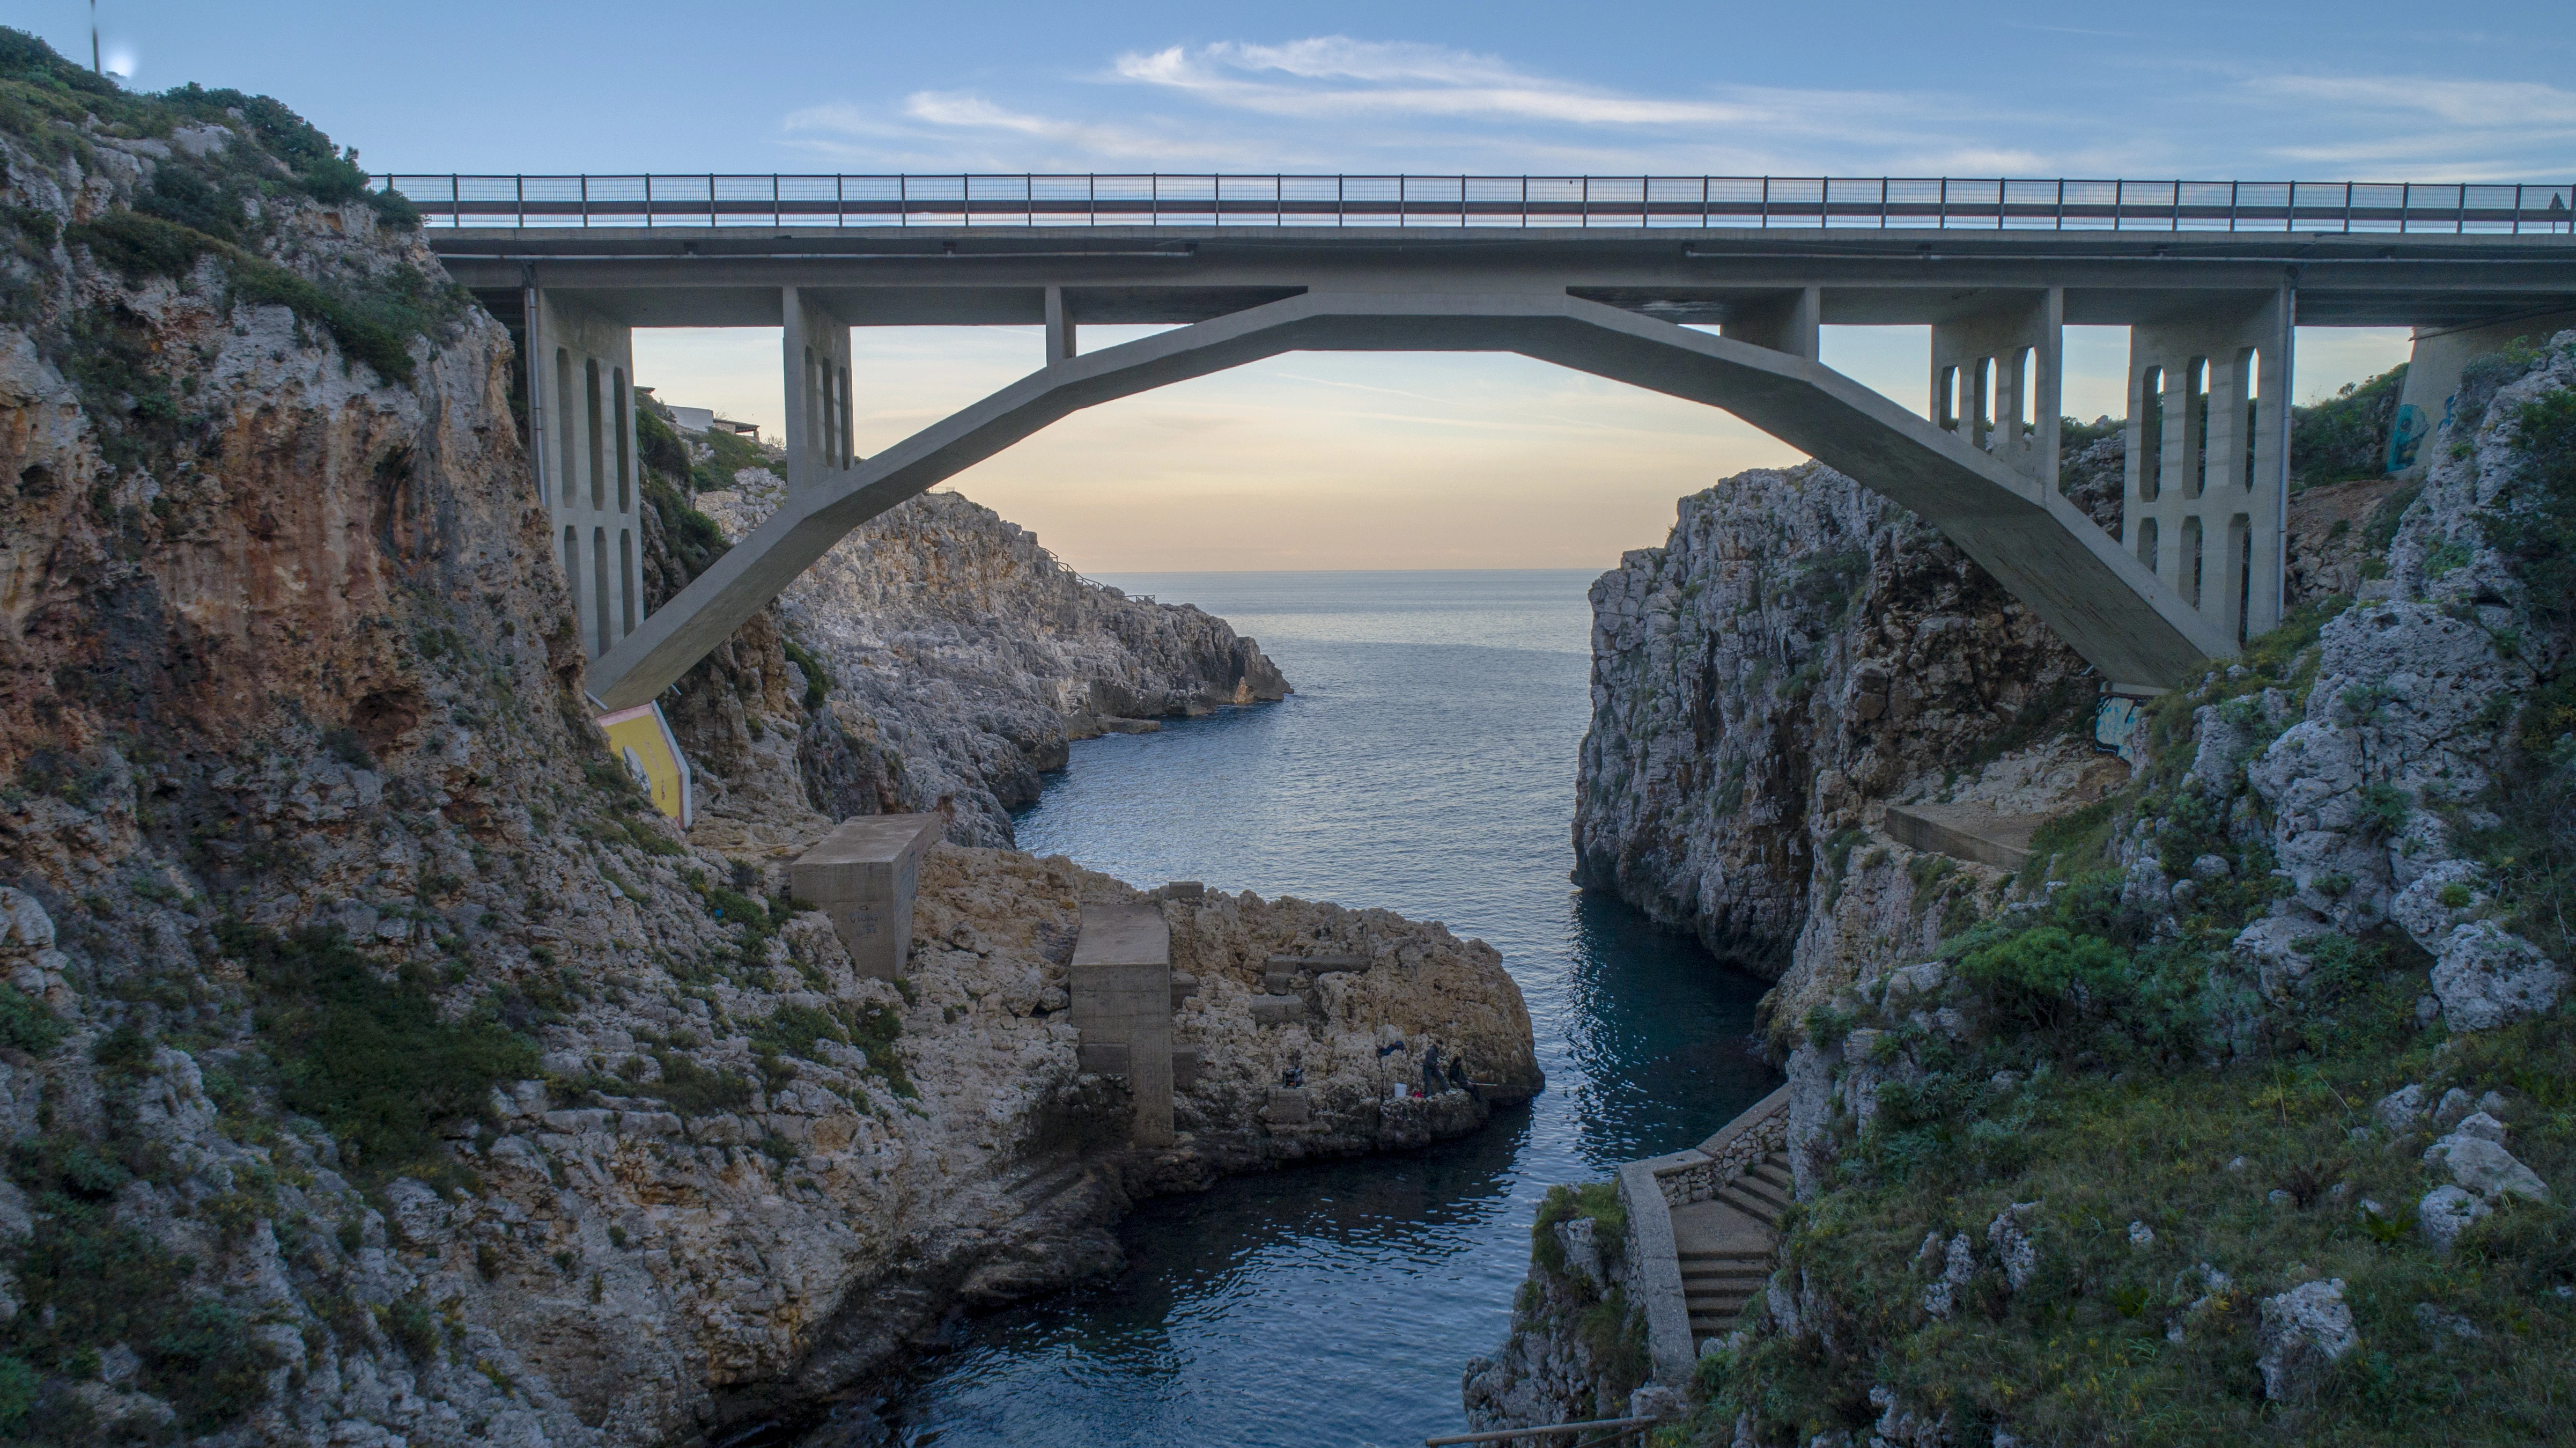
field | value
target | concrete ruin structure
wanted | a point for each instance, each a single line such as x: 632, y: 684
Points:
x: 1707, y: 288
x: 1123, y: 996
x: 864, y: 874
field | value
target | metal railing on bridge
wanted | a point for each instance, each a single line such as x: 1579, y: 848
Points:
x: 1519, y: 202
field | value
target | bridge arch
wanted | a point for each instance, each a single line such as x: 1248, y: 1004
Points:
x: 2103, y: 601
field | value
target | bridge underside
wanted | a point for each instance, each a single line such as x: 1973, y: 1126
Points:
x: 2196, y: 567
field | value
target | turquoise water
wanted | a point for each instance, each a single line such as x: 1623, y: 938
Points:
x: 1426, y: 764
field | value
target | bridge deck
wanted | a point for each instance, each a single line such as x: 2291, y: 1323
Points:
x: 2212, y: 279
x: 920, y: 276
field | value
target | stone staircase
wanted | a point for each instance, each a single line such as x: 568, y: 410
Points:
x: 1703, y: 1224
x: 1724, y: 1245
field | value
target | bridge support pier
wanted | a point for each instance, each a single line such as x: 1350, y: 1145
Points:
x: 2433, y: 380
x: 1788, y: 323
x: 1996, y: 363
x: 581, y: 424
x: 814, y: 353
x: 2207, y: 492
x: 1059, y: 328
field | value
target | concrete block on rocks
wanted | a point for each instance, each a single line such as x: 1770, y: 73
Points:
x: 1121, y: 986
x: 1277, y: 1010
x: 863, y: 875
x: 1285, y: 1108
x: 1185, y: 1067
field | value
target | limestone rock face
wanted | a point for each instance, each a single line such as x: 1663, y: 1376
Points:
x: 1796, y: 650
x: 293, y: 706
x: 1547, y: 1371
x: 970, y: 656
x: 2486, y: 977
x: 2413, y: 685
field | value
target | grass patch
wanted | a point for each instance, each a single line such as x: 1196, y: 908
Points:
x: 2081, y: 1355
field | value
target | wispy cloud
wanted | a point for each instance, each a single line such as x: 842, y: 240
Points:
x: 1335, y: 76
x: 1340, y: 103
x: 2498, y: 104
x: 2413, y: 127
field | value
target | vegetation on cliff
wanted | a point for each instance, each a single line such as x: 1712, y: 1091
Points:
x: 2346, y: 435
x: 2145, y: 1159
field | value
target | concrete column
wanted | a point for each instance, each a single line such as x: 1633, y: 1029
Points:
x: 863, y: 874
x: 2432, y: 384
x: 1784, y: 323
x: 814, y: 356
x: 2016, y: 339
x: 1059, y: 328
x: 1122, y: 1004
x: 2215, y: 470
x: 581, y: 426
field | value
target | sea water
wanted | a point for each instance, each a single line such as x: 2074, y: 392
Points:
x: 1425, y: 764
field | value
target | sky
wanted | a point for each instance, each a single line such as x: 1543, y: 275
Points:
x: 1326, y: 461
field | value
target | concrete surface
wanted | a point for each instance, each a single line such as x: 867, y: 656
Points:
x: 1122, y: 1000
x: 863, y: 875
x: 1964, y: 832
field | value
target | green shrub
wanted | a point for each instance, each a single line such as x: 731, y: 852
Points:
x: 694, y: 1090
x: 87, y: 1282
x: 2044, y: 977
x: 369, y: 1058
x: 693, y: 539
x: 28, y: 1024
x: 374, y: 325
x: 727, y: 454
x: 818, y: 680
x: 137, y: 247
x: 1597, y: 1200
x: 2346, y: 436
x: 2385, y: 808
x: 18, y: 1384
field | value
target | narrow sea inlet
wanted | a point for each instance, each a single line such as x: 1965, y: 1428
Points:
x: 1425, y: 764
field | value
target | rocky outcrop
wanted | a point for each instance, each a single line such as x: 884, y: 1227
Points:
x: 2341, y: 859
x: 1798, y: 649
x: 965, y: 657
x: 376, y: 1065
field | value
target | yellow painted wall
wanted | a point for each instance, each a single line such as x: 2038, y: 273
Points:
x: 639, y: 739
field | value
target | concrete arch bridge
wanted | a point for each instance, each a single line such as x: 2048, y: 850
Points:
x: 1616, y: 277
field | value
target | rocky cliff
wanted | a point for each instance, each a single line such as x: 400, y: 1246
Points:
x: 376, y: 1066
x: 1798, y: 649
x: 2231, y: 1112
x: 971, y: 656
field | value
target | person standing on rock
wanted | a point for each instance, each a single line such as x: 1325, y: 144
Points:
x: 1431, y: 1069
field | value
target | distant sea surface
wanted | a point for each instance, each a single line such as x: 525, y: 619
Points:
x: 1425, y: 764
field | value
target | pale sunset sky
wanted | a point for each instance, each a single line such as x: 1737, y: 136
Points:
x: 1382, y: 461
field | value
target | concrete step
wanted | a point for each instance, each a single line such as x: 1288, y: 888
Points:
x: 1762, y: 1189
x: 1775, y: 1171
x: 1737, y: 1293
x: 1760, y: 1208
